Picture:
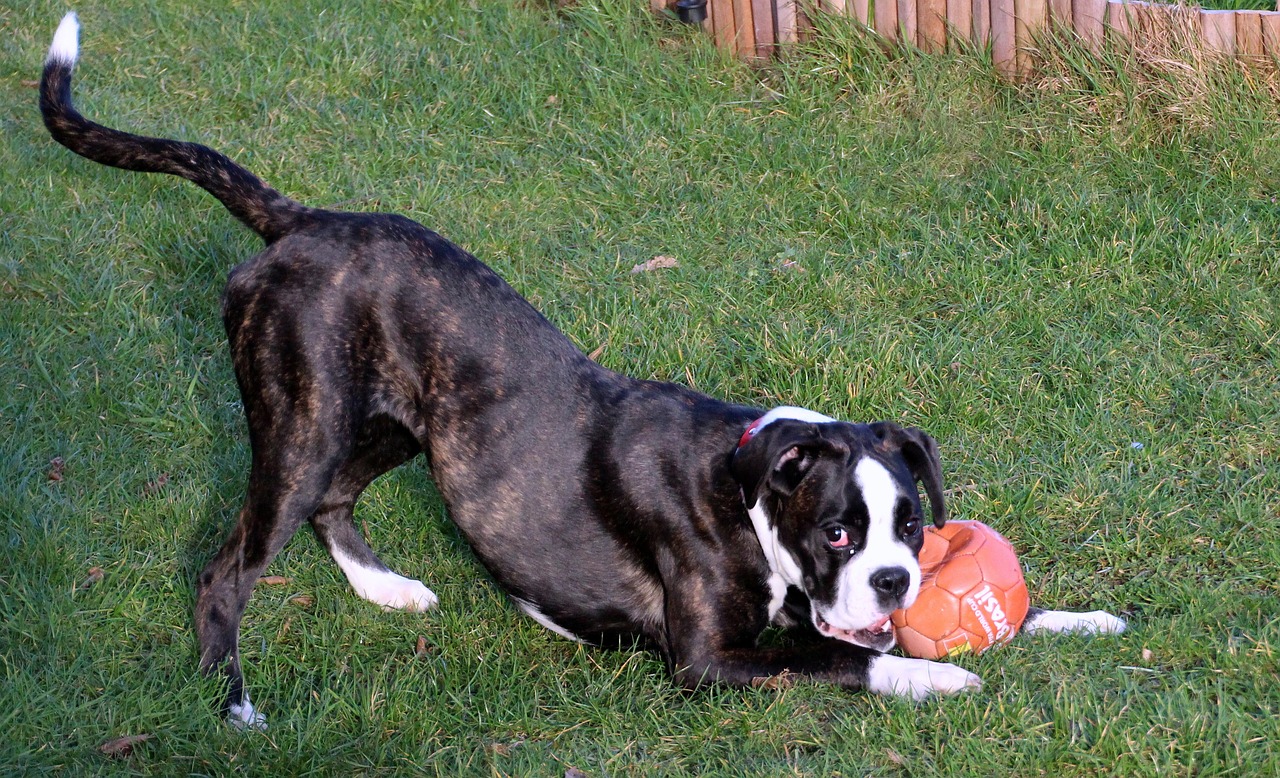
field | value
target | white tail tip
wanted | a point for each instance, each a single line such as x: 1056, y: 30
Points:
x: 66, y: 41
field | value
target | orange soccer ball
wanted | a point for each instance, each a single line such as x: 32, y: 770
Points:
x: 972, y: 594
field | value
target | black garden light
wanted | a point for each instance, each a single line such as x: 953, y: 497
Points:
x: 692, y: 11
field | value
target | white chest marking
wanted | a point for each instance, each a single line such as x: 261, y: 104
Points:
x: 784, y: 571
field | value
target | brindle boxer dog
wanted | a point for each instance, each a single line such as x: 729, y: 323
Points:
x: 612, y: 510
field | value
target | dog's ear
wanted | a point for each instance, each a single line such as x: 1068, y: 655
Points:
x: 921, y: 455
x: 779, y: 457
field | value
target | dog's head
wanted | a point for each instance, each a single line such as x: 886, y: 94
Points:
x: 838, y: 514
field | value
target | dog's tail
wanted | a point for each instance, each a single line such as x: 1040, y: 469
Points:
x: 266, y: 211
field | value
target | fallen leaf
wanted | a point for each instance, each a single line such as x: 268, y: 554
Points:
x: 122, y: 746
x: 574, y: 772
x: 421, y: 648
x: 791, y: 264
x: 659, y: 262
x: 274, y: 580
x: 894, y: 756
x: 1147, y: 656
x: 95, y: 575
x: 505, y: 749
x: 783, y: 680
x: 29, y: 84
x: 595, y: 355
x: 152, y: 487
x: 56, y: 466
x: 302, y: 600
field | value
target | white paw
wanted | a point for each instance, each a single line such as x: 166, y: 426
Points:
x: 1091, y: 623
x: 918, y: 678
x: 395, y: 592
x: 385, y: 588
x: 245, y: 717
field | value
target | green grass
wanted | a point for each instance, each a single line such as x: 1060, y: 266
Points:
x: 1239, y: 5
x: 1040, y: 277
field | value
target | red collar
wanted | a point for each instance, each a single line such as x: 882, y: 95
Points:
x: 750, y: 432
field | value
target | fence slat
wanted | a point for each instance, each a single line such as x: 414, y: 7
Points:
x: 887, y: 19
x: 1219, y: 30
x: 762, y: 21
x: 1060, y: 12
x: 933, y: 25
x: 744, y: 32
x: 858, y: 10
x: 1003, y: 42
x: 959, y: 22
x: 1029, y: 21
x: 1249, y: 34
x: 786, y: 19
x: 1119, y: 19
x: 982, y: 22
x: 1271, y: 34
x: 1089, y: 17
x: 721, y: 13
x: 908, y: 21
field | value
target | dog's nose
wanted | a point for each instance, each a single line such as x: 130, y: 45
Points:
x: 891, y: 581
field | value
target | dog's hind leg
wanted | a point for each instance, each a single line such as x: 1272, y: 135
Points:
x: 284, y: 490
x: 335, y: 525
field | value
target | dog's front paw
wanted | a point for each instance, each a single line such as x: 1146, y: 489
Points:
x: 918, y: 678
x: 245, y: 717
x: 1091, y: 623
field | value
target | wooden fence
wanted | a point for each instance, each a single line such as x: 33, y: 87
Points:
x: 757, y: 28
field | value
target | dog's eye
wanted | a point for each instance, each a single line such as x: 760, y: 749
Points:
x: 837, y: 537
x: 910, y: 527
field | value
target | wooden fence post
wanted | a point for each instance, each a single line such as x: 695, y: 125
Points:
x: 1249, y: 35
x: 1271, y: 35
x: 762, y: 28
x: 1119, y: 20
x: 1060, y: 12
x: 933, y: 25
x: 908, y: 21
x: 1003, y: 36
x: 744, y: 29
x: 720, y: 13
x: 1089, y: 18
x: 959, y: 22
x: 1219, y: 30
x: 886, y: 20
x: 787, y: 20
x: 982, y: 23
x: 1029, y: 20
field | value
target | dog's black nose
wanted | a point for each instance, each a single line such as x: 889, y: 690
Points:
x: 891, y: 581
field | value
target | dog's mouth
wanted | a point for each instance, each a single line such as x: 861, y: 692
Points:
x: 878, y: 636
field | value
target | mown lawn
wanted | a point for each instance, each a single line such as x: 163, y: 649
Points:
x: 1073, y: 285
